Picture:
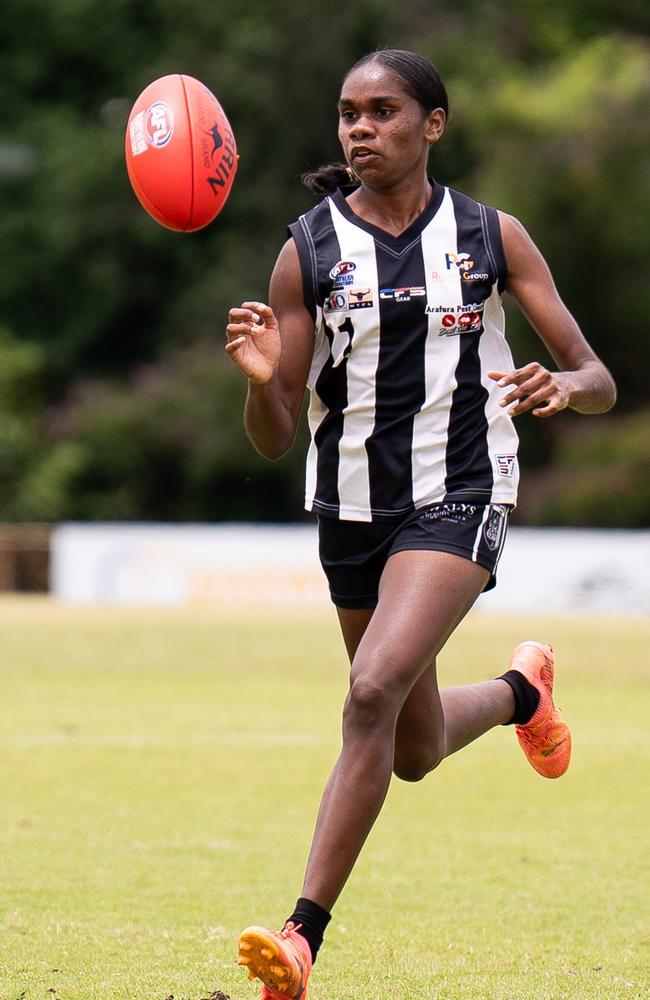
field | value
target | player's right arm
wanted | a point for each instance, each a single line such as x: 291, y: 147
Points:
x: 273, y: 346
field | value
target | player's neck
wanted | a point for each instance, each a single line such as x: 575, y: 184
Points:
x: 393, y: 210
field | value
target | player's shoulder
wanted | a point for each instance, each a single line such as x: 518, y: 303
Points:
x: 316, y: 217
x: 465, y: 201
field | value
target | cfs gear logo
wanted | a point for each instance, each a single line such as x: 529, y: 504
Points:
x: 402, y: 294
x: 159, y: 124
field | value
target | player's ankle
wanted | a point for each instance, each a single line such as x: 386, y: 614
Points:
x: 312, y: 920
x: 526, y: 697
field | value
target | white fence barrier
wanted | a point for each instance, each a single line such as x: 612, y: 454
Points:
x: 226, y: 565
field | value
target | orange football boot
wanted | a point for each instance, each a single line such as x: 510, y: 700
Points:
x: 545, y: 738
x: 281, y: 960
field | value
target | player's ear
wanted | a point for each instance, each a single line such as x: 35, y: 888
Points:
x: 434, y: 125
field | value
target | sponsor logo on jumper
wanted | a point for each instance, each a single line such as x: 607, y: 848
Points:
x: 505, y: 465
x: 469, y: 322
x: 402, y: 294
x: 158, y: 124
x: 336, y: 302
x: 451, y: 326
x: 466, y: 317
x: 360, y: 298
x: 462, y: 307
x: 458, y: 512
x: 460, y: 260
x: 494, y: 527
x: 464, y: 263
x: 343, y: 267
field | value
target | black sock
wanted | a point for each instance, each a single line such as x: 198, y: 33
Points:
x: 526, y: 697
x: 313, y: 919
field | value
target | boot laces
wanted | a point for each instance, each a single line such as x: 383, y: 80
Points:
x: 289, y: 928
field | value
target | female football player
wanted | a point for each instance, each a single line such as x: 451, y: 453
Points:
x: 386, y: 303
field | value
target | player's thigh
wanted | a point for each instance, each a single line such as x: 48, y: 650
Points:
x: 423, y: 595
x: 353, y: 622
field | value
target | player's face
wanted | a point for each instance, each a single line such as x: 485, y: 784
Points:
x: 385, y: 133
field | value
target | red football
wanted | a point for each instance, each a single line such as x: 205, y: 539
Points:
x: 181, y: 154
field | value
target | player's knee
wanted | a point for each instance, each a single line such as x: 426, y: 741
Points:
x: 416, y: 763
x: 369, y: 703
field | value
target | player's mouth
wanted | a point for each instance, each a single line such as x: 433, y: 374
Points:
x: 362, y: 154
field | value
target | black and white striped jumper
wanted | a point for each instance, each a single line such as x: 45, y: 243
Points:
x: 402, y: 413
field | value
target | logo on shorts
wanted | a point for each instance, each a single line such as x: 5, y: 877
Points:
x: 458, y: 512
x: 494, y: 527
x: 506, y: 465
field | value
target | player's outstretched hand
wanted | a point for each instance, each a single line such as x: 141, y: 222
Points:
x: 534, y: 388
x: 254, y: 341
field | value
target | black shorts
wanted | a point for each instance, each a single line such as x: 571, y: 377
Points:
x: 354, y: 553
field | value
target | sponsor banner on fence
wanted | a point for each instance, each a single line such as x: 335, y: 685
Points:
x: 542, y: 570
x: 175, y: 565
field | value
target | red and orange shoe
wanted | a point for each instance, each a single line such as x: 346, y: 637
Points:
x: 545, y: 738
x: 281, y: 960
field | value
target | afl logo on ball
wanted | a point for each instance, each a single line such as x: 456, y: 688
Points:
x: 159, y: 124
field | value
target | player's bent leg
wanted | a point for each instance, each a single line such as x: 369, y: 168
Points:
x: 281, y: 960
x: 422, y: 596
x: 419, y: 736
x: 420, y: 743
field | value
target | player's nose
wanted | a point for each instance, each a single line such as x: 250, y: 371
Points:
x: 362, y: 128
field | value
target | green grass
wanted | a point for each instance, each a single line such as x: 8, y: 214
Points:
x: 160, y: 774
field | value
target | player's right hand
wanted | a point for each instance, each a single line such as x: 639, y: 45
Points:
x: 254, y: 341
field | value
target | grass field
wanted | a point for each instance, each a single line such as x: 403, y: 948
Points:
x: 160, y: 774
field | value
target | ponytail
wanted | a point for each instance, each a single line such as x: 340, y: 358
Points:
x: 326, y: 179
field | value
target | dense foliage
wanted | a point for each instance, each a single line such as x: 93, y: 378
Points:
x: 116, y: 398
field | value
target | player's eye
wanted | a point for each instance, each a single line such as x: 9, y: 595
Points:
x: 347, y: 116
x: 383, y: 112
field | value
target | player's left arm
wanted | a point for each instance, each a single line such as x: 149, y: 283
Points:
x: 582, y: 383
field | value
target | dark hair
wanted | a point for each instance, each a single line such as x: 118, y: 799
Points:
x: 421, y: 80
x: 420, y: 77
